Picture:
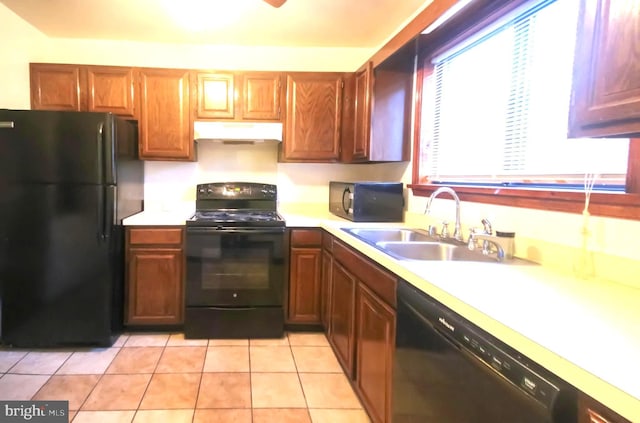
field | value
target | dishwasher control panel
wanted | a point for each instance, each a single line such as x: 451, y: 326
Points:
x: 512, y: 367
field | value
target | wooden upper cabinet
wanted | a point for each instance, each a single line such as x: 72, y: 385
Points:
x: 606, y: 80
x: 56, y: 87
x: 216, y: 95
x: 111, y: 89
x: 261, y: 92
x: 166, y: 130
x: 313, y: 117
x: 363, y: 86
x: 238, y: 96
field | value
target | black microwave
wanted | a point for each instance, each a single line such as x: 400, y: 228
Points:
x: 367, y: 201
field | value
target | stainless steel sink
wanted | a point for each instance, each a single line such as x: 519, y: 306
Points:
x: 437, y: 251
x: 375, y: 235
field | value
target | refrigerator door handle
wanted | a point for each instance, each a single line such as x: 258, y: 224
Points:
x: 102, y: 204
x: 108, y: 139
x: 100, y: 139
x: 110, y: 211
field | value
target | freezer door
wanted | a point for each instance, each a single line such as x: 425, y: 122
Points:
x: 57, y: 147
x: 62, y: 281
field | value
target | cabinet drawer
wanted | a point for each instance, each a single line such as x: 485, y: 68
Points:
x: 301, y: 237
x: 376, y: 279
x: 140, y: 236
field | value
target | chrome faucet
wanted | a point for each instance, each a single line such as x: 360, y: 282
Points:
x: 457, y: 233
x: 497, y: 242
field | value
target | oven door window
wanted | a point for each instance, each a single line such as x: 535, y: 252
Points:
x: 234, y: 269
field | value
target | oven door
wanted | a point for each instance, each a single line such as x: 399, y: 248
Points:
x: 235, y: 267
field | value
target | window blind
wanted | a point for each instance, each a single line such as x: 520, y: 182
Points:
x: 495, y: 108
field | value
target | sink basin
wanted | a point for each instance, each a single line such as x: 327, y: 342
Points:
x: 375, y: 235
x: 432, y: 251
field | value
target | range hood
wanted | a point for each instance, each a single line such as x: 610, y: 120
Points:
x: 238, y: 132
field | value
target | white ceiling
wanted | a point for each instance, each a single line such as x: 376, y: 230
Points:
x: 298, y: 23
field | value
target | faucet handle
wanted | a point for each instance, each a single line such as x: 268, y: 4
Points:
x: 487, y: 226
x: 432, y: 231
x: 471, y: 243
x: 445, y: 230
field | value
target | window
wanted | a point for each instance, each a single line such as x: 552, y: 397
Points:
x: 495, y: 108
x: 511, y: 147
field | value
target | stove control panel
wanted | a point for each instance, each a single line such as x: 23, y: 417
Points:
x: 236, y: 190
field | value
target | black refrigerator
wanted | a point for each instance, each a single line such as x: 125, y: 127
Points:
x: 67, y: 180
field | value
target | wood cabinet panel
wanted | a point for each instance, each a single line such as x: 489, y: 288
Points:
x: 154, y: 291
x: 154, y: 275
x: 261, y: 93
x: 301, y: 237
x: 55, y: 87
x: 379, y: 281
x: 305, y: 285
x: 325, y: 295
x: 342, y: 316
x: 166, y: 130
x: 606, y: 80
x: 591, y: 411
x: 362, y: 114
x: 376, y: 326
x: 216, y: 95
x: 313, y: 117
x: 111, y: 89
x: 165, y: 236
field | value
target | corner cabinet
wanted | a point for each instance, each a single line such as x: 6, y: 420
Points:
x: 606, y: 80
x: 165, y: 126
x: 305, y: 276
x: 313, y: 118
x: 591, y: 411
x: 155, y: 267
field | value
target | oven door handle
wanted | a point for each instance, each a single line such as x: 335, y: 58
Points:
x: 228, y: 230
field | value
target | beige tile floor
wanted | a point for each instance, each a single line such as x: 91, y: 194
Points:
x: 162, y: 377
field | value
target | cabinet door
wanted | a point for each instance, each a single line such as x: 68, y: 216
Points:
x: 362, y: 113
x: 261, y: 96
x: 110, y: 89
x: 325, y: 303
x: 216, y: 94
x: 313, y: 118
x: 606, y: 80
x: 304, y: 292
x: 166, y: 130
x: 342, y: 335
x: 56, y: 87
x: 376, y: 329
x: 155, y: 288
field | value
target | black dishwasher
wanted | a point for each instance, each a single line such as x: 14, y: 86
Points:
x: 447, y: 370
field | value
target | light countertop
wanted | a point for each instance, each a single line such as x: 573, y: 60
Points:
x: 586, y: 332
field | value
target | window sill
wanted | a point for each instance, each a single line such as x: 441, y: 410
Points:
x: 619, y: 205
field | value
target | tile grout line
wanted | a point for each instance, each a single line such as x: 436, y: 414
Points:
x: 295, y: 363
x: 250, y: 380
x: 135, y: 413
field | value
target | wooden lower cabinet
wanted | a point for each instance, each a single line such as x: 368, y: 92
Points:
x: 342, y: 316
x: 376, y: 334
x: 305, y: 276
x: 591, y: 411
x: 362, y: 327
x: 155, y: 276
x: 325, y: 289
